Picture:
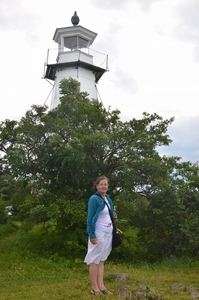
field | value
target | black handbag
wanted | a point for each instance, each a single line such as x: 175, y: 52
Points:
x: 116, y: 240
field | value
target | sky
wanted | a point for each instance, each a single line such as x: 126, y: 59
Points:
x: 153, y: 59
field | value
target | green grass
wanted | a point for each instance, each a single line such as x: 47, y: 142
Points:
x: 28, y: 276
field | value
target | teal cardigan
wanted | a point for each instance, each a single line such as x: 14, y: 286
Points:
x: 95, y: 205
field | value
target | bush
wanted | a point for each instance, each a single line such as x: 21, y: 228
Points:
x: 3, y: 213
x: 7, y: 229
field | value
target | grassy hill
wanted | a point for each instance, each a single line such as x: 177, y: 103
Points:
x: 24, y: 274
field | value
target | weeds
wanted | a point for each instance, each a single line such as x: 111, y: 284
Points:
x: 27, y: 275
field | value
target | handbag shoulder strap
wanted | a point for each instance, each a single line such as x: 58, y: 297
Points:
x: 110, y: 213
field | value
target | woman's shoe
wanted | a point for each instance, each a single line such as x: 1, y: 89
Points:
x: 105, y: 292
x: 96, y: 292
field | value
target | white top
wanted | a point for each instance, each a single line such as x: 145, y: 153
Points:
x: 104, y: 222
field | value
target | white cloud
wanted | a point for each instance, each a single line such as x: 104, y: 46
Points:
x: 125, y: 81
x: 18, y: 19
x: 196, y: 53
x: 188, y: 28
x: 118, y: 4
x: 185, y: 135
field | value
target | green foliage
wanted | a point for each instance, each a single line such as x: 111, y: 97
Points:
x: 3, y: 213
x: 129, y: 251
x: 69, y: 87
x: 63, y: 222
x: 8, y: 228
x: 58, y: 154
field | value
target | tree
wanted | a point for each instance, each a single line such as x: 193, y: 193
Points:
x: 59, y: 153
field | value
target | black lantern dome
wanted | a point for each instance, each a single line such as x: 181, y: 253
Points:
x: 75, y: 19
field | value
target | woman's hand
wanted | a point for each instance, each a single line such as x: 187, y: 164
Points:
x: 94, y: 241
x: 119, y: 231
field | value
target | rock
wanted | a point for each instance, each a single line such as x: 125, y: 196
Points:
x: 119, y: 277
x: 124, y: 292
x: 124, y: 288
x: 178, y: 287
x: 139, y: 295
x: 194, y: 295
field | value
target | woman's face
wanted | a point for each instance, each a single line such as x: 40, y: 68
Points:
x: 102, y: 186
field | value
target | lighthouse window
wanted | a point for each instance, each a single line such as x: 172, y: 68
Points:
x: 70, y: 42
x: 82, y: 42
x: 75, y: 42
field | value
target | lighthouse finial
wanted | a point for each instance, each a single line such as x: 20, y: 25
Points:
x: 75, y: 19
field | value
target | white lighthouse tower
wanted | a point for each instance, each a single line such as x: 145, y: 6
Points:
x: 75, y: 60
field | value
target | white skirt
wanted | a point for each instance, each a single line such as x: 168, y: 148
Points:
x: 99, y: 252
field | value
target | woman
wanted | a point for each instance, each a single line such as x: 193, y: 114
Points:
x: 99, y: 228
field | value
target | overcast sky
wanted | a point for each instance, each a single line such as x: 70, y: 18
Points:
x: 152, y: 48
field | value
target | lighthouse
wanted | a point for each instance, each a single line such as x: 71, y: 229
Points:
x: 75, y: 59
